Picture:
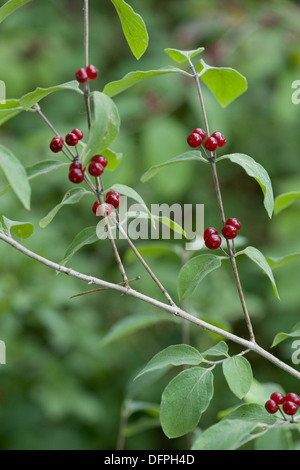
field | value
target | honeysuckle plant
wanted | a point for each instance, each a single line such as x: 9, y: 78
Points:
x: 87, y: 159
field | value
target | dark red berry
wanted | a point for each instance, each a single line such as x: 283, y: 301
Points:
x: 213, y: 242
x: 210, y: 231
x: 76, y: 175
x: 271, y: 406
x: 290, y: 408
x: 78, y: 133
x: 92, y: 72
x: 200, y: 131
x: 100, y: 159
x: 113, y: 198
x: 279, y: 398
x: 234, y: 222
x: 293, y: 397
x: 71, y: 139
x: 81, y: 75
x: 229, y: 232
x: 100, y: 210
x: 95, y: 169
x: 211, y: 144
x: 220, y: 138
x: 76, y: 164
x: 194, y: 140
x: 56, y: 144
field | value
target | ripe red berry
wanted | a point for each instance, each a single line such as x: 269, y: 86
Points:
x: 271, y: 406
x: 290, y: 408
x: 92, y: 72
x: 279, y: 398
x: 113, y: 198
x: 220, y: 138
x: 200, y: 131
x: 95, y: 169
x: 234, y: 222
x: 78, y: 133
x: 213, y: 242
x: 100, y: 159
x: 76, y: 175
x: 210, y: 231
x: 229, y: 232
x: 56, y: 144
x: 211, y: 144
x: 194, y: 140
x: 100, y: 210
x: 76, y: 164
x: 81, y: 75
x: 71, y: 139
x: 293, y: 397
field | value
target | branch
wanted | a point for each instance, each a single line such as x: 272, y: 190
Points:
x: 168, y: 308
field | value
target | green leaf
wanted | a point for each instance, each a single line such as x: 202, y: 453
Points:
x: 238, y: 374
x: 226, y: 83
x: 182, y: 56
x: 174, y: 355
x: 255, y: 255
x: 131, y: 324
x: 16, y: 175
x: 258, y: 172
x: 184, y: 400
x: 30, y: 99
x: 21, y: 229
x: 285, y: 200
x: 71, y: 197
x: 276, y: 263
x: 113, y: 159
x: 105, y: 126
x: 116, y: 87
x: 131, y: 193
x: 9, y: 109
x: 134, y: 28
x: 194, y: 271
x: 219, y: 349
x: 188, y: 156
x: 171, y: 224
x: 295, y: 333
x: 11, y: 6
x: 86, y: 236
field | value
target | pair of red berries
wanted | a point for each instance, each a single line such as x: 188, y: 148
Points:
x: 112, y: 200
x: 290, y: 403
x: 96, y: 168
x: 230, y: 229
x: 57, y: 143
x: 85, y: 73
x: 197, y: 137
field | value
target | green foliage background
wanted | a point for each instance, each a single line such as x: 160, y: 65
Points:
x: 62, y: 387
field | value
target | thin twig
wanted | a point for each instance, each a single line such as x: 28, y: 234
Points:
x: 103, y: 288
x: 86, y: 61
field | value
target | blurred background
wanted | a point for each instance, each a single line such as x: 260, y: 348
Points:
x: 69, y: 370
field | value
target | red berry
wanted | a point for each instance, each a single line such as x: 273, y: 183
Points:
x: 92, y: 72
x: 194, y: 140
x: 211, y: 144
x: 113, y: 198
x: 234, y: 222
x: 290, y: 408
x: 100, y: 159
x: 71, y: 139
x: 78, y: 133
x: 95, y: 169
x: 220, y: 138
x: 76, y: 164
x: 293, y: 397
x: 279, y: 398
x: 81, y: 75
x: 99, y: 209
x: 229, y: 232
x: 213, y: 242
x: 200, y: 131
x: 56, y: 144
x: 210, y: 231
x: 271, y: 406
x: 76, y: 175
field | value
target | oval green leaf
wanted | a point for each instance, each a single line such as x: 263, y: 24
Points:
x: 276, y: 263
x: 21, y: 229
x: 30, y: 99
x: 86, y: 236
x: 285, y: 200
x: 295, y: 333
x: 9, y: 109
x: 9, y: 7
x: 238, y: 374
x: 182, y: 56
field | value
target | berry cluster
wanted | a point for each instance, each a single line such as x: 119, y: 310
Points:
x: 57, y: 143
x: 230, y: 229
x: 198, y: 137
x: 290, y: 403
x: 85, y: 73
